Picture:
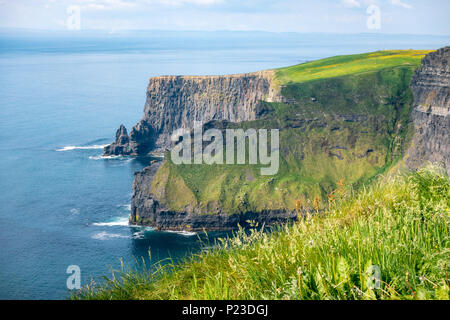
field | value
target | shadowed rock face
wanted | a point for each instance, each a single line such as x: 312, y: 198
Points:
x: 122, y: 144
x: 175, y: 102
x: 431, y: 88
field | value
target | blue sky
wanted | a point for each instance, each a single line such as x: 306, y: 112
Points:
x: 338, y: 16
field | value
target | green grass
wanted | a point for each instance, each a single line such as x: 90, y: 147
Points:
x: 310, y: 163
x: 399, y: 224
x: 349, y: 64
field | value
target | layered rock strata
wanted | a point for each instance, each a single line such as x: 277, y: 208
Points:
x: 175, y: 102
x: 431, y: 115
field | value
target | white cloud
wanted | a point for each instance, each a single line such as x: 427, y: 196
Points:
x: 196, y: 2
x: 95, y: 6
x: 178, y: 3
x: 351, y: 3
x: 122, y: 4
x: 107, y: 4
x: 401, y: 4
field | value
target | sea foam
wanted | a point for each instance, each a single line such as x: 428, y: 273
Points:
x: 70, y: 148
x: 183, y: 232
x: 122, y: 221
x: 107, y: 236
x: 107, y: 157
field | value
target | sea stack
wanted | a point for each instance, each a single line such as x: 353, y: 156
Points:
x: 121, y: 146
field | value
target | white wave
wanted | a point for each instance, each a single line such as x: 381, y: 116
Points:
x: 126, y: 206
x: 122, y: 221
x: 156, y: 154
x: 70, y: 148
x: 141, y: 233
x: 109, y: 158
x: 182, y: 232
x: 107, y: 236
x: 74, y: 211
x: 104, y: 157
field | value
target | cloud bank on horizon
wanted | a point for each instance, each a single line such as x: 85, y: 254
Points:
x: 334, y: 16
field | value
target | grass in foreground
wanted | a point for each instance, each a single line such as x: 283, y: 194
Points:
x: 399, y: 225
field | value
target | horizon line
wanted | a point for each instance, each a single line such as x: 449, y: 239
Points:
x: 109, y: 31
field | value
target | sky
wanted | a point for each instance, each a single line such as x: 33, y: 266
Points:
x: 330, y: 16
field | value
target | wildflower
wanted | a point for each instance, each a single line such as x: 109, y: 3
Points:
x: 422, y: 279
x: 316, y: 203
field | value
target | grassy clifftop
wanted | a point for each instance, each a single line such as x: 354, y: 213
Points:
x: 349, y: 64
x: 348, y: 125
x: 399, y: 226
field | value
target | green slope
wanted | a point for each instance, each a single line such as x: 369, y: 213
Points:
x: 349, y: 124
x: 400, y: 225
x: 349, y: 64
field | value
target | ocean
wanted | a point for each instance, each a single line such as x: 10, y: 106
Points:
x: 62, y: 97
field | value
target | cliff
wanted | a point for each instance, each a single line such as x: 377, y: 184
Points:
x: 343, y: 120
x: 147, y: 209
x: 175, y: 102
x: 431, y: 88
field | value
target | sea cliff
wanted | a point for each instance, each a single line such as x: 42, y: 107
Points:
x: 175, y: 102
x: 431, y: 87
x: 342, y: 120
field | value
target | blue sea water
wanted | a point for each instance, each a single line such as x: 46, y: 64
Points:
x: 62, y: 96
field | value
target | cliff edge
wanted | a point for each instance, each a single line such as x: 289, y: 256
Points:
x: 431, y: 114
x: 175, y: 102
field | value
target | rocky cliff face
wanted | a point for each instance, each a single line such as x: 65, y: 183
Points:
x: 175, y: 102
x: 147, y: 210
x: 121, y: 146
x: 431, y: 87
